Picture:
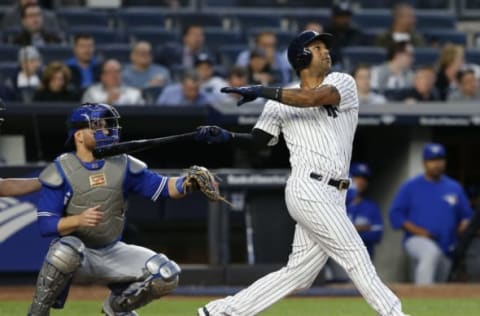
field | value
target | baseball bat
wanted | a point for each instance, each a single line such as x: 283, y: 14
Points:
x: 138, y: 145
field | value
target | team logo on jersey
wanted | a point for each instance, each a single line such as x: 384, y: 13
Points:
x: 14, y: 216
x: 97, y: 180
x: 451, y: 199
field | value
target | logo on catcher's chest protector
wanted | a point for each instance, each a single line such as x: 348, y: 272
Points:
x: 97, y: 180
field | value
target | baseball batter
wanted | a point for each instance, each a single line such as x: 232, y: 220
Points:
x: 83, y: 203
x: 318, y: 119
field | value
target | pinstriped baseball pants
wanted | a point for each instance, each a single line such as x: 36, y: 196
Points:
x: 323, y: 230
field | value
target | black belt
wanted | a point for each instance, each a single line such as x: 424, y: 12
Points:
x: 341, y: 184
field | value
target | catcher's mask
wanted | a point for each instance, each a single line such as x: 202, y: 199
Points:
x: 101, y: 118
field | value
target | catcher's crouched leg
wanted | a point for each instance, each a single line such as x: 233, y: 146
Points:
x: 159, y: 279
x: 63, y: 258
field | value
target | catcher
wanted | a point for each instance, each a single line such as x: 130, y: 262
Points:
x: 83, y: 204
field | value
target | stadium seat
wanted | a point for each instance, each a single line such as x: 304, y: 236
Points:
x: 228, y: 53
x: 102, y: 35
x: 8, y: 69
x: 435, y: 20
x: 440, y: 37
x: 137, y: 17
x: 180, y: 20
x: 472, y: 56
x: 245, y: 21
x: 426, y: 56
x: 353, y: 55
x: 297, y: 20
x: 216, y: 36
x: 55, y: 52
x: 154, y: 35
x: 370, y: 34
x: 381, y: 19
x: 150, y: 94
x: 84, y: 17
x: 119, y: 51
x: 8, y: 53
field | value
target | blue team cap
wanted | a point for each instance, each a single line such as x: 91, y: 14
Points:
x: 358, y: 169
x: 434, y: 151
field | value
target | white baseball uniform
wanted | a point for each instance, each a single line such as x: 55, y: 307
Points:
x: 321, y: 144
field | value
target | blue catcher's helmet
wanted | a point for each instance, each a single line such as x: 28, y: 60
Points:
x: 101, y: 118
x: 299, y: 56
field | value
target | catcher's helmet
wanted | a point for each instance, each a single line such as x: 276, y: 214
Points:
x: 299, y: 56
x: 101, y: 118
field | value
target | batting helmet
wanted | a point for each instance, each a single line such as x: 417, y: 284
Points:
x: 299, y: 56
x: 101, y: 118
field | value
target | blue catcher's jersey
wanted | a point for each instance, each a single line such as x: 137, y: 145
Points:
x: 53, y: 200
x: 438, y: 207
x: 367, y: 212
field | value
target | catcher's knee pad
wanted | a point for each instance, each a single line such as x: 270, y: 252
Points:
x: 63, y: 258
x: 160, y: 278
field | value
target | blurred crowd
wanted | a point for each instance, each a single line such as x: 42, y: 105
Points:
x: 190, y: 72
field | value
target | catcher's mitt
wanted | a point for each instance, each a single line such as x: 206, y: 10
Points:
x: 199, y: 178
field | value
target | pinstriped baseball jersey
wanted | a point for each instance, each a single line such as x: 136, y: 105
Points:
x: 322, y: 144
x: 316, y: 141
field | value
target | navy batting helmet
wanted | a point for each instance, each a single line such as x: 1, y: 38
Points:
x: 299, y: 56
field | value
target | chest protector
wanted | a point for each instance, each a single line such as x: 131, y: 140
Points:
x: 102, y: 187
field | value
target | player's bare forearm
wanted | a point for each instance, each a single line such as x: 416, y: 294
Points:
x: 18, y: 186
x: 173, y: 191
x: 68, y: 225
x: 323, y: 95
x: 91, y: 217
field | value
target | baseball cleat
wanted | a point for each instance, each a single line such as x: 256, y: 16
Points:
x: 107, y: 310
x: 203, y: 311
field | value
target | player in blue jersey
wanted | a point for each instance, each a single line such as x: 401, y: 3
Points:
x: 432, y: 209
x: 364, y: 212
x: 83, y: 203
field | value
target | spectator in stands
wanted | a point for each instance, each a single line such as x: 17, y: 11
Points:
x: 12, y: 17
x: 210, y: 83
x: 361, y: 74
x: 110, y: 89
x: 423, y: 89
x: 432, y: 209
x: 84, y: 66
x: 186, y: 93
x: 27, y: 80
x: 267, y: 41
x: 344, y: 31
x: 193, y: 43
x: 55, y: 85
x: 34, y: 31
x: 396, y: 73
x: 402, y: 29
x: 451, y: 59
x: 468, y: 87
x: 259, y: 70
x: 141, y: 72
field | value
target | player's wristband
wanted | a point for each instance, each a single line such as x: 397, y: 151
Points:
x: 272, y: 93
x: 179, y: 185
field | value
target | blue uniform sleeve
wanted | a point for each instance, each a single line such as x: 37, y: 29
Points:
x: 400, y: 207
x: 148, y: 184
x: 50, y: 209
x: 374, y: 235
x: 464, y: 208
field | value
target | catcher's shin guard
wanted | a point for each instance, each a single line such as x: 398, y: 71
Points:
x: 62, y: 260
x: 160, y: 278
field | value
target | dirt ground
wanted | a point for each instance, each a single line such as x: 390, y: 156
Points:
x: 451, y: 290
